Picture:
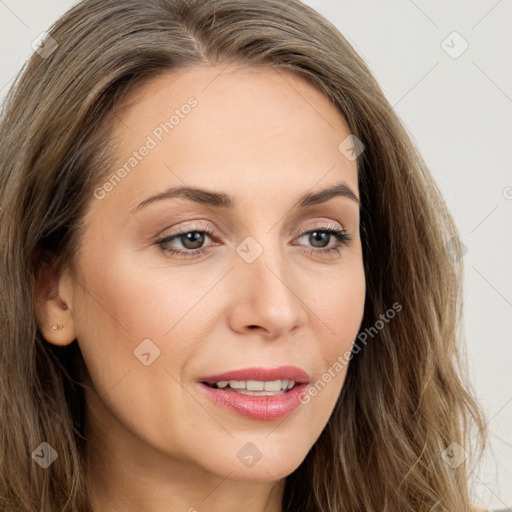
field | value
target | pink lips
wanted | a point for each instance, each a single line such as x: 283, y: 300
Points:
x: 258, y: 407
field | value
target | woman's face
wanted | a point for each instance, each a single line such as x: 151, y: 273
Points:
x: 274, y: 286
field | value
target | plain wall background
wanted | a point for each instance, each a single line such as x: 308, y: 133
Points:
x: 458, y: 110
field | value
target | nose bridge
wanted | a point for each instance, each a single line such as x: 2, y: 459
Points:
x: 264, y: 280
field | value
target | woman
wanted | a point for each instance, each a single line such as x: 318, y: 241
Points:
x: 230, y: 279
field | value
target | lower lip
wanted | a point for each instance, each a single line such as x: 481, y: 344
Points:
x: 257, y: 407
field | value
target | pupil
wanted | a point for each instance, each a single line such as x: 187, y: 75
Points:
x: 322, y: 236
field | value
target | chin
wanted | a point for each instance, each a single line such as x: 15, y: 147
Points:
x: 260, y: 472
x: 260, y: 465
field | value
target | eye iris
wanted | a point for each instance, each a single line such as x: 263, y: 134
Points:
x: 196, y: 237
x: 322, y: 236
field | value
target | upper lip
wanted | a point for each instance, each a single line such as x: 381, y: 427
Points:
x: 262, y: 374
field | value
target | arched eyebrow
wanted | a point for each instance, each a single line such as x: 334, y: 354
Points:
x: 224, y: 200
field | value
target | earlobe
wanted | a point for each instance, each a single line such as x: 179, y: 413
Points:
x: 57, y: 333
x: 54, y: 316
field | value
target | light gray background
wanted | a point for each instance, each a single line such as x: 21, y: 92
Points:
x: 459, y: 113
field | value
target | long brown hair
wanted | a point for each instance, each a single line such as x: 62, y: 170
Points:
x: 404, y: 404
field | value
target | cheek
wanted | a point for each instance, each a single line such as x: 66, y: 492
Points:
x: 337, y: 308
x: 122, y: 316
x: 130, y: 295
x: 124, y: 300
x: 339, y: 313
x: 115, y: 310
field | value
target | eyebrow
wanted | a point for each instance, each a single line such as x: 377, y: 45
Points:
x: 224, y: 200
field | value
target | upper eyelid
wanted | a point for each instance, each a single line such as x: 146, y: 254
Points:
x: 319, y: 224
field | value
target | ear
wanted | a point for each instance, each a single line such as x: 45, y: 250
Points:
x: 53, y: 304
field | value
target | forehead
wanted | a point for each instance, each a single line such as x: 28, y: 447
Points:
x: 248, y: 130
x: 231, y: 88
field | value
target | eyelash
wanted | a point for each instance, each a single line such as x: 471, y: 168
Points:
x: 340, y: 234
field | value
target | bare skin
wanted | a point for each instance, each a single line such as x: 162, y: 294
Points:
x: 156, y: 442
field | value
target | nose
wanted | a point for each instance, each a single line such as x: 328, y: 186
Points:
x: 264, y: 296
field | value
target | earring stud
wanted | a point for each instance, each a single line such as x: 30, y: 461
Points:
x: 57, y: 327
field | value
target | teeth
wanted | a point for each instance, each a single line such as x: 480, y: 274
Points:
x: 237, y: 384
x: 257, y: 385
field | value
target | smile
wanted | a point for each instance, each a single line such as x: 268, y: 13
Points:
x: 260, y: 397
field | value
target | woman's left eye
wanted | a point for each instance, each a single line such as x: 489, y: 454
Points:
x: 192, y: 241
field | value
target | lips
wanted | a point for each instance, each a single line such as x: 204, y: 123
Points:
x: 262, y: 374
x: 263, y: 408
